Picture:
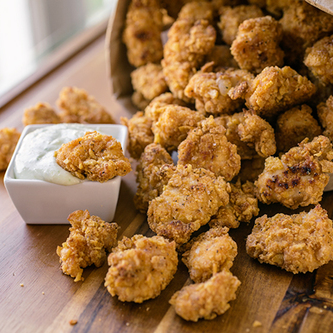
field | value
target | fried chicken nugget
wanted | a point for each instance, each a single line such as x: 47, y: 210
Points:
x: 187, y: 202
x: 8, y: 141
x: 211, y: 90
x: 140, y: 268
x: 294, y: 125
x: 142, y: 32
x: 206, y: 146
x: 256, y: 45
x: 174, y: 124
x: 325, y: 114
x: 139, y: 133
x: 197, y: 10
x: 299, y: 177
x: 210, y: 253
x: 149, y: 81
x: 255, y: 130
x: 154, y: 170
x: 80, y: 107
x: 94, y: 156
x: 242, y: 206
x: 275, y: 90
x: 41, y: 113
x: 207, y: 299
x: 298, y: 243
x: 319, y: 59
x: 89, y: 239
x: 231, y: 18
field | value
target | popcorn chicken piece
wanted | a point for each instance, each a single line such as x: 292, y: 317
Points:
x: 319, y: 59
x: 276, y: 89
x: 89, y: 239
x: 173, y: 126
x: 142, y: 32
x: 140, y: 268
x: 207, y: 299
x: 139, y: 133
x: 299, y: 177
x: 256, y: 45
x: 325, y: 114
x: 8, y: 141
x: 242, y: 206
x: 298, y: 243
x: 207, y: 146
x: 210, y: 253
x: 94, y: 156
x: 302, y: 25
x: 275, y: 7
x: 80, y: 107
x: 154, y: 170
x: 149, y: 81
x: 294, y: 125
x: 197, y: 10
x: 231, y: 18
x: 211, y: 90
x: 41, y: 113
x: 187, y: 202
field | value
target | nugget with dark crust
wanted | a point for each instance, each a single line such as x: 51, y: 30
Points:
x: 298, y: 243
x: 275, y: 90
x: 8, y: 140
x: 80, y: 107
x: 299, y: 177
x: 174, y: 124
x: 294, y: 125
x: 89, y: 239
x: 319, y: 59
x: 140, y: 268
x: 142, y: 32
x: 206, y: 146
x: 242, y: 206
x: 325, y: 114
x: 256, y: 45
x: 139, y: 133
x: 231, y: 18
x: 210, y: 253
x: 154, y: 170
x: 207, y: 299
x: 94, y: 156
x: 211, y: 90
x: 41, y: 113
x: 187, y: 202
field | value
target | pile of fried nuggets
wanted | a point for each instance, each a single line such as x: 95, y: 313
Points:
x: 226, y: 93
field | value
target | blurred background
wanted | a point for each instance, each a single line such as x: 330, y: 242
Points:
x: 33, y: 31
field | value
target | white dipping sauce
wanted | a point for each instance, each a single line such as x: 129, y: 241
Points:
x: 35, y: 158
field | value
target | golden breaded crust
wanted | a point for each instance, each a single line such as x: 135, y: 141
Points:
x: 325, y: 114
x: 80, y: 107
x: 8, y: 140
x: 210, y: 253
x: 140, y: 268
x: 89, y: 239
x: 94, y: 156
x: 207, y: 299
x: 187, y: 202
x: 319, y: 59
x: 197, y: 10
x: 256, y: 45
x: 298, y: 243
x: 154, y: 170
x: 294, y: 125
x: 206, y: 146
x: 139, y: 133
x: 41, y: 113
x: 299, y: 177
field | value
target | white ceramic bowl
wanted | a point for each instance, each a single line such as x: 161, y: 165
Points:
x: 41, y: 202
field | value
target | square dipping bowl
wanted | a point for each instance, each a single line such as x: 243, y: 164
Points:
x: 42, y: 202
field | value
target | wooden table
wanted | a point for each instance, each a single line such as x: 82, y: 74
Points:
x: 36, y: 297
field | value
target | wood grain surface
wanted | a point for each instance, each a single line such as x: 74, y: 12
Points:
x: 36, y: 297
